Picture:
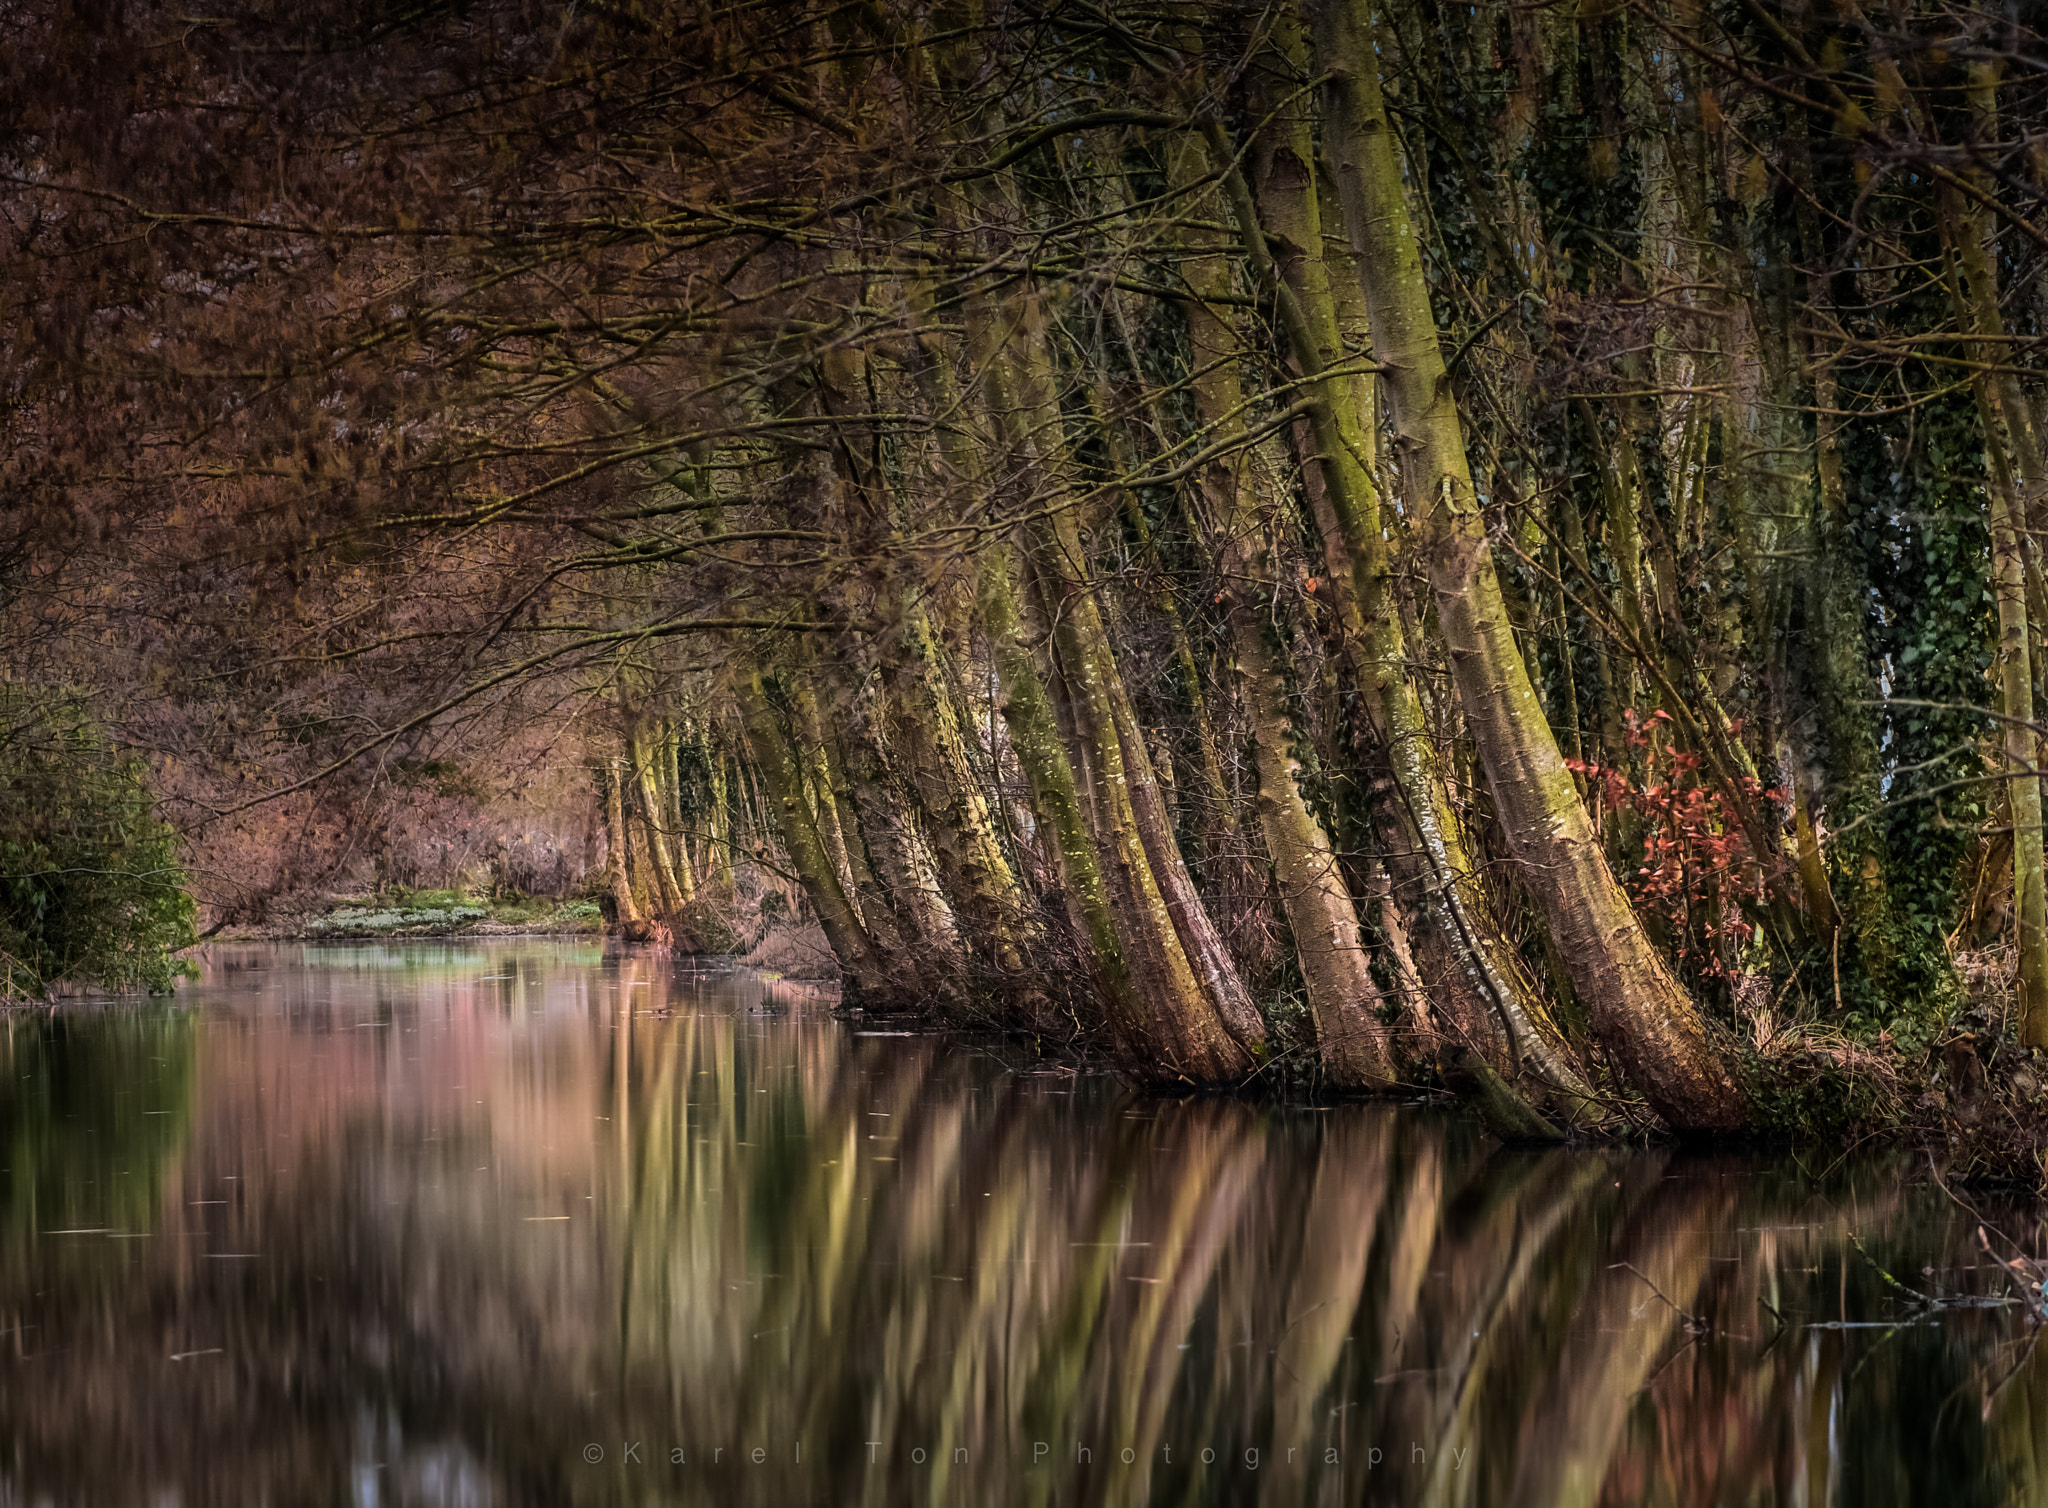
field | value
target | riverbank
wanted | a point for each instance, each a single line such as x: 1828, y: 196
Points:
x: 428, y: 913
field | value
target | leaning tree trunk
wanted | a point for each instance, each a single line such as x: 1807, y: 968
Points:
x: 2019, y: 471
x: 902, y: 862
x: 1160, y: 1038
x: 1178, y: 1008
x: 1650, y: 1025
x: 1471, y: 966
x: 1343, y: 999
x: 928, y: 730
x: 611, y: 789
x: 654, y: 818
x: 720, y: 824
x: 1197, y: 999
x: 670, y: 764
x: 925, y: 731
x: 777, y: 760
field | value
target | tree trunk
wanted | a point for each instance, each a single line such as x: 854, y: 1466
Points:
x: 1483, y: 993
x: 640, y: 755
x: 612, y: 799
x: 721, y: 820
x: 2019, y: 471
x: 670, y: 747
x: 1183, y: 1016
x: 783, y: 778
x: 824, y: 792
x: 925, y: 732
x: 1343, y: 999
x: 901, y: 859
x: 1176, y: 955
x: 1218, y: 826
x: 1151, y: 1032
x: 1649, y: 1023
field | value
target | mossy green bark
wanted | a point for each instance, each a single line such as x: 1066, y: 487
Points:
x: 1481, y: 991
x: 782, y: 776
x: 1648, y: 1022
x: 2019, y: 469
x: 1344, y: 1001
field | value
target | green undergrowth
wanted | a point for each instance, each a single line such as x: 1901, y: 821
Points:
x: 436, y: 913
x: 92, y: 895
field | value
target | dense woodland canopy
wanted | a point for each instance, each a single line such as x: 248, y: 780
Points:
x: 1492, y: 544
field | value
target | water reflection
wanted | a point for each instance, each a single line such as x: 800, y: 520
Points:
x: 534, y: 1223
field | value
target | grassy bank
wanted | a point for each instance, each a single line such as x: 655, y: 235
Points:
x: 434, y: 913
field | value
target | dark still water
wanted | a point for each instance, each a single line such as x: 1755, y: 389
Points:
x: 534, y: 1223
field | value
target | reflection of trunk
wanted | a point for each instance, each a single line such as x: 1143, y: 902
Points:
x: 2016, y: 1410
x: 617, y: 875
x: 1322, y: 1300
x: 1653, y: 1028
x: 1622, y: 1330
x: 1410, y: 1245
x: 1512, y: 1249
x: 1218, y: 1165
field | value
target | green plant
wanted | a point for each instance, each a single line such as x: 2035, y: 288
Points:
x: 91, y: 891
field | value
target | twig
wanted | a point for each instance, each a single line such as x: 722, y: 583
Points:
x: 1969, y: 1209
x: 2026, y: 1353
x: 1693, y: 1322
x: 1857, y: 1242
x: 2027, y: 1301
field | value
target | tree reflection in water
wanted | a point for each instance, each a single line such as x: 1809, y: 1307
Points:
x: 425, y: 1224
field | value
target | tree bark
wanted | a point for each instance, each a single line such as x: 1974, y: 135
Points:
x: 721, y: 820
x: 1651, y: 1026
x: 1344, y: 1001
x: 902, y: 862
x: 924, y: 730
x: 640, y: 756
x: 782, y: 775
x: 669, y: 745
x: 1152, y: 1033
x: 2019, y: 471
x: 612, y: 799
x: 1483, y: 993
